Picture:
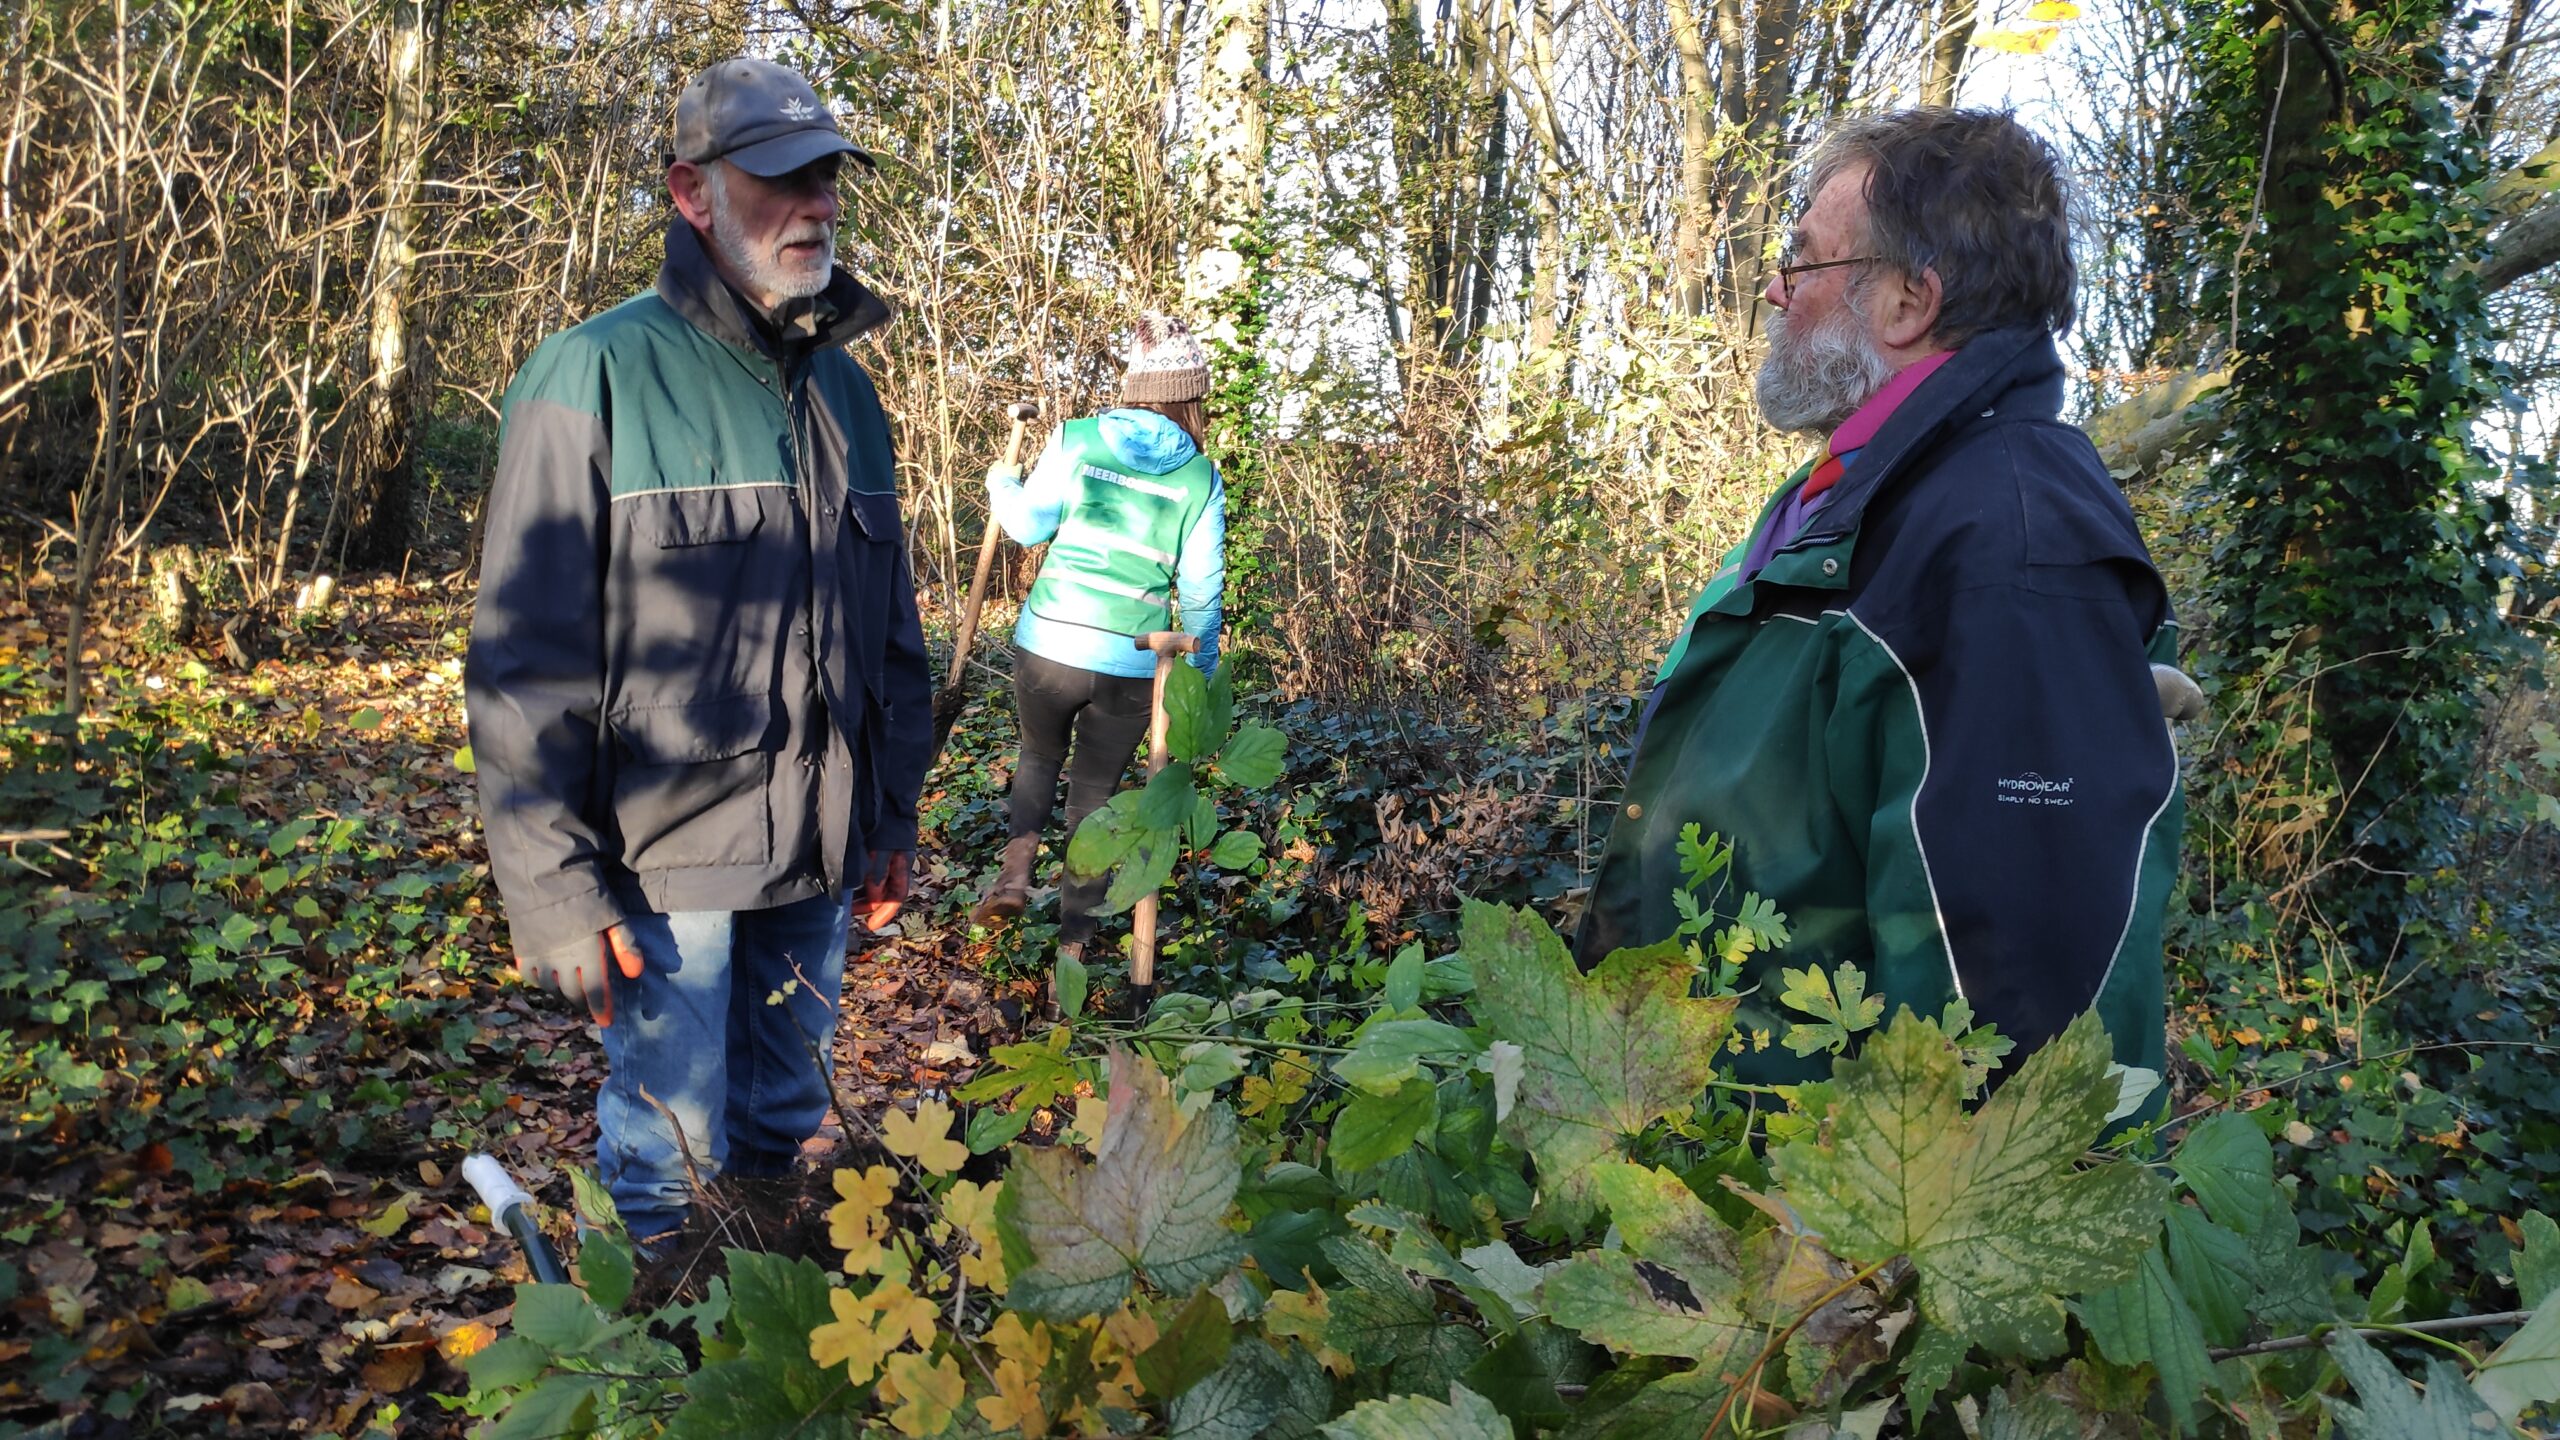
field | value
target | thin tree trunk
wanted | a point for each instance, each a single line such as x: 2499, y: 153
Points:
x: 378, y: 465
x: 1699, y: 95
x: 1947, y: 47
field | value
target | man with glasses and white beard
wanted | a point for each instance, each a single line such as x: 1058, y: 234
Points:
x: 698, y: 697
x: 1918, y: 698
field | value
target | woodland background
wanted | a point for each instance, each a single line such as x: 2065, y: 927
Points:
x: 1480, y: 277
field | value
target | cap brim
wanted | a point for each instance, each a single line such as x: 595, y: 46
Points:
x: 785, y: 153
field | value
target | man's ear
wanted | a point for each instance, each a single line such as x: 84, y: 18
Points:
x: 690, y: 188
x: 1909, y: 314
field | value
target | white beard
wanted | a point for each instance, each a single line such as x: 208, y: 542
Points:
x: 764, y: 272
x: 1814, y: 382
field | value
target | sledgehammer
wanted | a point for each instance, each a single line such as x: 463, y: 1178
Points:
x: 1167, y: 644
x: 947, y: 705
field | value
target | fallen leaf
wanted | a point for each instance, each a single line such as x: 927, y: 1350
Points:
x: 397, y: 1367
x: 346, y: 1292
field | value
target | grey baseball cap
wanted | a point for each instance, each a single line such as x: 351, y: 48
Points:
x: 761, y: 117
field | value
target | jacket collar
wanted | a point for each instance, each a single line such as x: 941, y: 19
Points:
x: 2015, y: 371
x: 839, y: 315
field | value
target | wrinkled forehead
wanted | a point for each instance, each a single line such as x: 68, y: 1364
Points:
x: 1836, y: 216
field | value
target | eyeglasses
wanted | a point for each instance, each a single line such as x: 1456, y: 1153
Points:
x: 1788, y: 271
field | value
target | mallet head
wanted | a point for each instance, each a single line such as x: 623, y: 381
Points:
x: 1024, y: 412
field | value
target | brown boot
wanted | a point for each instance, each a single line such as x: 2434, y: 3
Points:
x: 1012, y: 892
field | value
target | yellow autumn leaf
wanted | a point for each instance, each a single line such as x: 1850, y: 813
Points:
x: 2053, y: 10
x: 972, y: 1206
x: 1285, y: 1086
x: 902, y: 1313
x: 1028, y: 1346
x: 852, y: 1340
x: 858, y: 1223
x: 924, y: 1137
x: 1016, y: 1403
x: 2030, y: 40
x: 1092, y: 1113
x: 1301, y: 1315
x: 927, y: 1390
x: 466, y: 1340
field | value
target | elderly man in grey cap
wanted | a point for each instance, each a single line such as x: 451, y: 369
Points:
x: 698, y: 697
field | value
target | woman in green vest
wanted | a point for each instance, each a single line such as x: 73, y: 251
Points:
x: 1134, y: 515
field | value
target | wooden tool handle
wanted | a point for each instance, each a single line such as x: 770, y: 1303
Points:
x: 986, y: 564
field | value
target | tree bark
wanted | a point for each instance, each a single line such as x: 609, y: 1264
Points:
x: 1699, y: 96
x: 377, y: 466
x: 1227, y: 177
x: 1947, y: 49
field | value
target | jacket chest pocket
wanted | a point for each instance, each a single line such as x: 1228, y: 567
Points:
x: 692, y: 783
x: 705, y: 579
x: 725, y: 515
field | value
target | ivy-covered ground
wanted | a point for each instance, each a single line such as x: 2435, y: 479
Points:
x: 257, y: 1010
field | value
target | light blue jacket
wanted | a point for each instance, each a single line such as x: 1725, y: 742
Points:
x: 1030, y: 511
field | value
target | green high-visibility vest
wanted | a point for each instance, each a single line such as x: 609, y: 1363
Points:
x: 1111, y: 565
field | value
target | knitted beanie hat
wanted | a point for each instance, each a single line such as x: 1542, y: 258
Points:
x: 1166, y: 363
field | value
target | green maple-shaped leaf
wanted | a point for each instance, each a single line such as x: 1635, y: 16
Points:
x: 1605, y: 1054
x: 1988, y: 1207
x: 1839, y: 1011
x: 1152, y: 1201
x: 2392, y: 1410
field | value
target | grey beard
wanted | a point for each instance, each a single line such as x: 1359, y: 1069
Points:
x: 1814, y: 383
x: 765, y: 274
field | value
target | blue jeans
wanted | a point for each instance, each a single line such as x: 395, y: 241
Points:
x: 744, y: 1080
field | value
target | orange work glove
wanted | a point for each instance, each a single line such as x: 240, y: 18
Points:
x: 884, y: 887
x: 578, y: 971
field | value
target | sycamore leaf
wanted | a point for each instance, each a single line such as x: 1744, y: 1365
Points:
x: 1604, y: 1054
x: 2525, y: 1371
x: 1153, y: 1201
x: 1237, y: 1403
x: 1637, y: 1307
x: 1467, y: 1416
x: 1383, y: 1320
x: 2392, y: 1410
x: 1194, y: 1347
x: 2053, y: 10
x: 1988, y: 1207
x: 1661, y: 1219
x: 924, y: 1137
x: 2146, y: 1321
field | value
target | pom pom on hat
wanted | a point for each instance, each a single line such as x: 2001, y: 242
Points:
x: 1166, y: 364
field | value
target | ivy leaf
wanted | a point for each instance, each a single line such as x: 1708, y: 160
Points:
x: 1467, y: 1416
x: 1153, y: 1201
x: 2525, y: 1371
x: 1840, y: 1013
x: 1987, y: 1206
x: 1252, y: 759
x: 2391, y: 1410
x: 2146, y: 1321
x: 1604, y: 1054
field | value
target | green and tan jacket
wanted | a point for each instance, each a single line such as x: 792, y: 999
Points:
x: 1929, y: 727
